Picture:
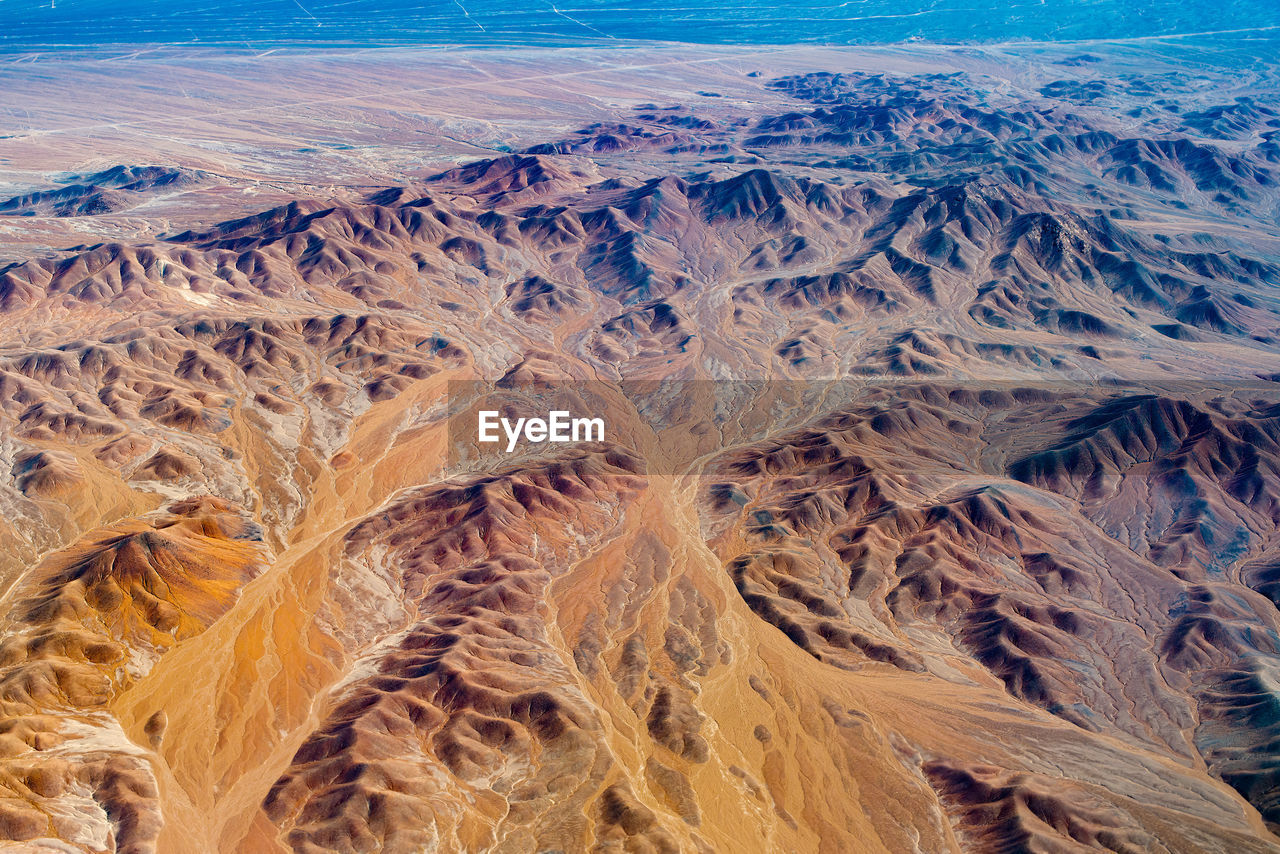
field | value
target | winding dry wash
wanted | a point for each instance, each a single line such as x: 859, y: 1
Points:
x: 944, y: 517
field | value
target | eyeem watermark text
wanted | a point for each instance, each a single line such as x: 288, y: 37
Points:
x: 558, y: 426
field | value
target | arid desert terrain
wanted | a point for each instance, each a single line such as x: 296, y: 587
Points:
x: 939, y: 509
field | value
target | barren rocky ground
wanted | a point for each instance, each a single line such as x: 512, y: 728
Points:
x: 940, y: 509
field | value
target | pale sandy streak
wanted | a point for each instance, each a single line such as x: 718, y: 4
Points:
x: 400, y: 92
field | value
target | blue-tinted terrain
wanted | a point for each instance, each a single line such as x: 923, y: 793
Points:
x: 25, y: 23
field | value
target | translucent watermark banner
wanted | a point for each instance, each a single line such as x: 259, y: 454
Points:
x: 678, y: 426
